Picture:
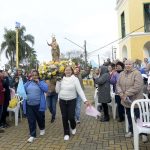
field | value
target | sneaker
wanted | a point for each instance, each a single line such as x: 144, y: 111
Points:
x: 73, y: 131
x: 42, y: 132
x: 31, y: 139
x: 66, y: 137
x: 144, y: 139
x: 128, y: 135
x: 78, y: 121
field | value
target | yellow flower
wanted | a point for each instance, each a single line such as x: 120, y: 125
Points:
x: 56, y: 63
x: 61, y: 69
x: 54, y: 73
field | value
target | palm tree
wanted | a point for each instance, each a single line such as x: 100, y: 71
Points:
x: 24, y: 42
x: 9, y: 44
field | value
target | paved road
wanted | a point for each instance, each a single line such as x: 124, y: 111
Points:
x: 91, y: 135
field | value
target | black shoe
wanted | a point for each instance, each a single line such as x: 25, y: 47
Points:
x: 52, y: 120
x: 121, y: 119
x: 104, y: 119
x: 4, y: 125
x: 2, y: 131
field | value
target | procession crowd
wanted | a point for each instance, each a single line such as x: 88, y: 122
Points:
x: 128, y: 79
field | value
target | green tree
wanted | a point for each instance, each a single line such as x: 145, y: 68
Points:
x: 25, y: 45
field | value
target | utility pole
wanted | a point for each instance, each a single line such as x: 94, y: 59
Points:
x: 17, y: 44
x: 112, y: 53
x: 98, y: 60
x: 85, y: 53
x: 84, y: 48
x: 115, y: 53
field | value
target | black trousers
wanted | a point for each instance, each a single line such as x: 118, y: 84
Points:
x: 137, y: 114
x: 68, y: 114
x: 105, y: 108
x: 120, y: 107
x: 4, y: 113
x: 34, y: 115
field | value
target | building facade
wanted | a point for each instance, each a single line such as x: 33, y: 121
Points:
x: 134, y: 28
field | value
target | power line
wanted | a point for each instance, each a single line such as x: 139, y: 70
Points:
x: 74, y: 43
x: 115, y: 40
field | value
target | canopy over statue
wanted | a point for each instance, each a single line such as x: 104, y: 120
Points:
x: 55, y: 51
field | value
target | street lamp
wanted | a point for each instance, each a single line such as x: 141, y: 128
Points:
x: 17, y: 26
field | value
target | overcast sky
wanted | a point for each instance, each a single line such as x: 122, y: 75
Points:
x: 92, y: 20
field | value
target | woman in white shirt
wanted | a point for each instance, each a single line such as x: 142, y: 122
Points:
x: 68, y: 89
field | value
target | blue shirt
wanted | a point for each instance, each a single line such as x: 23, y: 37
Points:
x: 33, y: 94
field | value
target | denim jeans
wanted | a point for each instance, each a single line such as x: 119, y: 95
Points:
x: 33, y: 116
x: 51, y: 104
x: 1, y: 110
x: 78, y: 108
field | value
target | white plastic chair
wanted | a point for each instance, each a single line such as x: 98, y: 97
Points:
x: 16, y: 110
x: 145, y: 95
x: 113, y: 105
x: 126, y: 119
x: 96, y: 100
x: 144, y: 109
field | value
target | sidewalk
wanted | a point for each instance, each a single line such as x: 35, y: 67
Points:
x: 91, y: 135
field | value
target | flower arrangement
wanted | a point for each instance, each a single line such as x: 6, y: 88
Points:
x: 49, y: 70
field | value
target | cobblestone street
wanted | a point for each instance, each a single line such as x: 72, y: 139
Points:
x: 91, y: 135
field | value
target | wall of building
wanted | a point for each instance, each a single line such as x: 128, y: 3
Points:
x: 134, y: 19
x: 137, y: 46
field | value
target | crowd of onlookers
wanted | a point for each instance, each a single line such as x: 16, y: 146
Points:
x: 41, y: 94
x: 127, y: 79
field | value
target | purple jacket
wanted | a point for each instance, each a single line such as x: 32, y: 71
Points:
x: 113, y: 80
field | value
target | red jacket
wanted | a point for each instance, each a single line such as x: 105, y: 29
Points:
x: 1, y: 93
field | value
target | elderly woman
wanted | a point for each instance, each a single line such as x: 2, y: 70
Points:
x: 130, y: 88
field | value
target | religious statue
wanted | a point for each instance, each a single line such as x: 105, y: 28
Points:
x: 55, y: 49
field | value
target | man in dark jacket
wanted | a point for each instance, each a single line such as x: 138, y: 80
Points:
x: 16, y: 79
x: 2, y: 90
x: 6, y: 100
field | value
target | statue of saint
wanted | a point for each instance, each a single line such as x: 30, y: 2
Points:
x: 55, y: 51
